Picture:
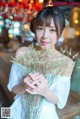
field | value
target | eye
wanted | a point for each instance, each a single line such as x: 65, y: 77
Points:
x: 40, y: 28
x: 53, y: 30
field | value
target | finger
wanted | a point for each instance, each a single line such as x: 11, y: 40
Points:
x: 36, y: 83
x: 24, y: 85
x: 33, y: 76
x: 40, y: 79
x: 30, y: 91
x: 26, y: 79
x: 30, y: 85
x: 37, y: 77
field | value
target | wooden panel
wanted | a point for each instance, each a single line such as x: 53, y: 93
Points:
x: 72, y: 108
x: 5, y: 66
x: 70, y: 111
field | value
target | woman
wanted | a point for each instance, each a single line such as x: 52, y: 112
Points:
x: 42, y: 99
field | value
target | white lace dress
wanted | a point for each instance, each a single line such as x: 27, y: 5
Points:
x: 48, y: 110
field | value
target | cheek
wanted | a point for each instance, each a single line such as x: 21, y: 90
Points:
x: 38, y: 35
x: 54, y: 38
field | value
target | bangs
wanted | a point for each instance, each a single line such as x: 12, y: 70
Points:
x: 45, y: 17
x: 44, y: 21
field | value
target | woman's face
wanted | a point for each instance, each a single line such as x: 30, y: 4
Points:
x: 46, y: 36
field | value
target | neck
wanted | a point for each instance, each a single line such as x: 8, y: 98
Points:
x: 39, y: 48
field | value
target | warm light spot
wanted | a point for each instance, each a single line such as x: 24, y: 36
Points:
x: 77, y: 33
x: 19, y: 0
x: 27, y: 26
x: 76, y: 21
x: 75, y: 15
x: 40, y: 1
x: 32, y: 1
x: 10, y: 35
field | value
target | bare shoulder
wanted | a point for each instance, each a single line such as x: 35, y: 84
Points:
x: 70, y: 62
x: 21, y: 51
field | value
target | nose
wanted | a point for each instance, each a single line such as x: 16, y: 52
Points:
x: 45, y: 34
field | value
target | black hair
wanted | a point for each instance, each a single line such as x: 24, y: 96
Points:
x: 45, y: 16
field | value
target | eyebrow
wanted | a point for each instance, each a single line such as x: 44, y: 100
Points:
x: 48, y: 26
x: 52, y: 27
x: 40, y: 26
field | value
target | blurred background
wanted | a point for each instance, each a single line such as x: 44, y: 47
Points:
x: 15, y: 18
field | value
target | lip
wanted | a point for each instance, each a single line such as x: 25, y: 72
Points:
x: 44, y: 43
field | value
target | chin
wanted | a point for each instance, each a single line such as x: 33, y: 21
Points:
x: 44, y: 47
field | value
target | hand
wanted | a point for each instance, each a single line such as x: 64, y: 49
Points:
x: 37, y: 84
x: 27, y: 83
x: 24, y: 82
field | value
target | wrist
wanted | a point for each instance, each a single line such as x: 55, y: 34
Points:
x: 50, y: 96
x: 46, y: 92
x: 23, y: 85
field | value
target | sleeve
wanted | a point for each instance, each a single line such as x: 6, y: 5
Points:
x: 62, y: 90
x: 13, y: 77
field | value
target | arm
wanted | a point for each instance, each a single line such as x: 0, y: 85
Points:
x: 50, y: 96
x: 19, y: 89
x: 14, y: 84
